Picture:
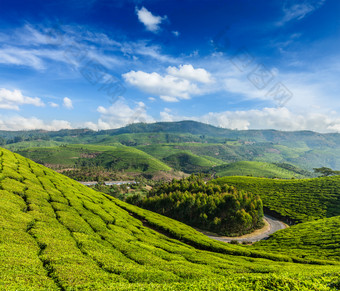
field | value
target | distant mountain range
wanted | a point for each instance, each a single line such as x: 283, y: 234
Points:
x: 174, y: 143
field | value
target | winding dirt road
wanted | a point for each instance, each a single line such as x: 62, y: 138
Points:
x: 271, y: 225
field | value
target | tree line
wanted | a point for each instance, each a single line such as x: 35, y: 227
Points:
x: 221, y: 209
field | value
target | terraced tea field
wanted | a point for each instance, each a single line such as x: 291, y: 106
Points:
x: 311, y: 239
x: 300, y: 200
x: 57, y: 234
x: 117, y: 157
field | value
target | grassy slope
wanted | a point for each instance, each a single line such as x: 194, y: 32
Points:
x: 301, y: 200
x: 256, y: 169
x: 57, y: 234
x: 136, y: 139
x: 218, y: 152
x: 320, y: 238
x: 116, y: 157
x: 188, y: 162
x: 31, y: 144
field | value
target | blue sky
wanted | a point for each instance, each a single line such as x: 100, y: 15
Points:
x: 104, y: 64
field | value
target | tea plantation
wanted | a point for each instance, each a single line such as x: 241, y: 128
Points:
x: 117, y: 157
x: 299, y: 200
x: 320, y: 238
x: 56, y: 234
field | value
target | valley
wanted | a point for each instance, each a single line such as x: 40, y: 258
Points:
x: 150, y: 145
x: 57, y: 234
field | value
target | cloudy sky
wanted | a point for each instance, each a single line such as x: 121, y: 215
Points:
x: 107, y: 63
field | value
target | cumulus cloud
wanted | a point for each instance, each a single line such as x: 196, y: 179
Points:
x: 166, y: 115
x: 118, y: 115
x: 274, y: 118
x: 31, y: 123
x: 179, y: 83
x: 54, y: 105
x: 150, y: 21
x: 67, y: 103
x: 266, y: 118
x: 13, y: 99
x: 166, y: 85
x: 188, y: 72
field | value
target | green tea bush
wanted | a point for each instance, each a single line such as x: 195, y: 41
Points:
x: 294, y: 200
x: 56, y: 234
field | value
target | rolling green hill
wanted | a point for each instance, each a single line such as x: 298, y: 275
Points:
x: 116, y: 157
x: 57, y: 234
x: 188, y: 162
x: 259, y: 169
x: 299, y: 200
x: 180, y: 156
x: 314, y: 239
x: 137, y: 139
x: 218, y: 153
x: 32, y: 144
x: 305, y: 149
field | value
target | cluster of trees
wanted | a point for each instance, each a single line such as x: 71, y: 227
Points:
x: 324, y: 171
x: 221, y: 209
x: 294, y: 201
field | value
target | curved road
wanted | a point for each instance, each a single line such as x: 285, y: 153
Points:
x: 272, y: 226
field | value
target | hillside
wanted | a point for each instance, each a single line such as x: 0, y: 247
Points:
x: 32, y: 144
x: 298, y: 200
x: 259, y: 169
x: 320, y: 238
x: 116, y: 157
x: 306, y: 149
x: 59, y: 235
x: 188, y: 162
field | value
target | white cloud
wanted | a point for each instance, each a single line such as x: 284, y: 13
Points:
x: 298, y: 11
x: 67, y: 103
x: 273, y: 118
x: 31, y: 123
x: 175, y: 33
x: 169, y: 98
x: 243, y: 87
x: 166, y: 116
x: 118, y: 115
x: 150, y: 21
x: 313, y: 85
x: 41, y: 47
x: 30, y: 46
x: 151, y: 51
x: 18, y: 56
x: 177, y: 84
x: 152, y: 99
x: 52, y: 104
x: 13, y: 99
x: 266, y: 118
x: 188, y: 72
x: 166, y: 86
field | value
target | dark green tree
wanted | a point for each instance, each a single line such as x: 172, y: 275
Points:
x: 324, y: 171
